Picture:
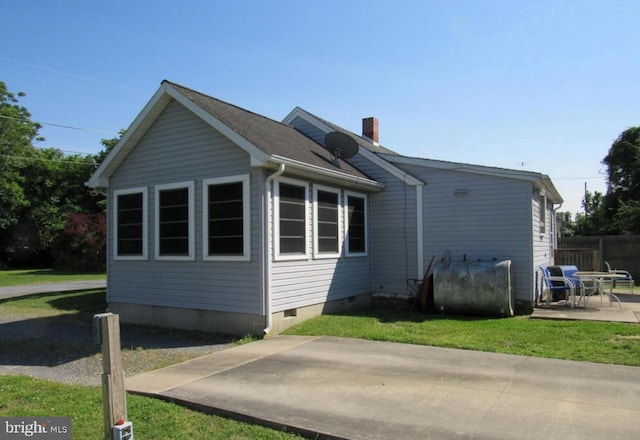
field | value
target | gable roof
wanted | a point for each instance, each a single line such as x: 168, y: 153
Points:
x: 330, y: 126
x: 388, y: 159
x: 267, y: 142
x: 368, y: 149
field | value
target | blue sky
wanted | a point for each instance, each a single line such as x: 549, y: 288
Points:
x: 544, y: 85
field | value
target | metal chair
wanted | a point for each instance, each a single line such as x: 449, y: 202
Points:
x: 560, y: 284
x: 628, y: 280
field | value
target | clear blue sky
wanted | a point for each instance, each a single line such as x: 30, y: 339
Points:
x: 541, y: 85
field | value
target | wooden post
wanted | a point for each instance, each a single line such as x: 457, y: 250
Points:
x: 107, y: 328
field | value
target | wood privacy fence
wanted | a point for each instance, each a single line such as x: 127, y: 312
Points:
x: 590, y: 253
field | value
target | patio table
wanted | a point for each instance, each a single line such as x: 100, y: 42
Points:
x: 598, y: 278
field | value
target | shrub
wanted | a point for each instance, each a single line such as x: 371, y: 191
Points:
x: 82, y: 243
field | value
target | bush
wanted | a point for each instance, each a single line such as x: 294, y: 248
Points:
x: 82, y: 243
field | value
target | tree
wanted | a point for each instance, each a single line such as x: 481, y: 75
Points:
x: 620, y: 204
x: 39, y: 189
x: 566, y: 225
x: 593, y: 221
x: 17, y: 133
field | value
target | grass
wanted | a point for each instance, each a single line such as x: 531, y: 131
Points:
x: 85, y: 302
x: 152, y: 418
x: 603, y: 342
x: 19, y: 277
x: 614, y: 343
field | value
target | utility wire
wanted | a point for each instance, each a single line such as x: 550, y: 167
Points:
x: 60, y: 72
x: 95, y: 130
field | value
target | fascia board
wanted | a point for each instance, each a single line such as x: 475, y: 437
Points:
x: 463, y: 167
x: 313, y: 169
x: 538, y: 179
x: 299, y: 112
x: 390, y: 168
x: 552, y: 193
x: 136, y: 130
x: 372, y: 157
x: 256, y: 153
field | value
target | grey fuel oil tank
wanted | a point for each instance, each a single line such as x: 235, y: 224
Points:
x: 480, y: 287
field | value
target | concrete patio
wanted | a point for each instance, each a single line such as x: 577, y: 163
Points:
x: 600, y: 307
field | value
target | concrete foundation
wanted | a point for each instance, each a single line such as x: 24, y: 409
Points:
x: 240, y: 324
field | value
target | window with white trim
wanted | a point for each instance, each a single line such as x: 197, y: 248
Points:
x: 175, y: 221
x: 355, y: 211
x: 226, y: 218
x: 543, y: 212
x: 326, y: 227
x: 291, y: 219
x: 130, y: 224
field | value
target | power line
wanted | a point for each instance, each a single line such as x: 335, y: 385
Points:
x: 578, y: 178
x: 60, y: 72
x: 95, y: 130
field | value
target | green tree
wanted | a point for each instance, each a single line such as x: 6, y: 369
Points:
x: 620, y: 205
x: 17, y: 134
x: 566, y: 225
x: 39, y: 188
x: 593, y: 221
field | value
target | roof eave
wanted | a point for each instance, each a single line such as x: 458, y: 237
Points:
x: 539, y: 180
x: 336, y: 176
x: 163, y: 96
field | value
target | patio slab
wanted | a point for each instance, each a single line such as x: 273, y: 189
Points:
x: 599, y: 309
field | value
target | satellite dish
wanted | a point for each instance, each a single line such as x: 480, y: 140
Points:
x: 341, y: 145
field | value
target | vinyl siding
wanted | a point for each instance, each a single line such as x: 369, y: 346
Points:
x: 491, y: 221
x: 393, y: 231
x: 309, y: 129
x: 299, y: 283
x: 179, y: 147
x: 543, y: 244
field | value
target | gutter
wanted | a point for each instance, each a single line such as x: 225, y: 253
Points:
x: 358, y: 182
x: 266, y: 248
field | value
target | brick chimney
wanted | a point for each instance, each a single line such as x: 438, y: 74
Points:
x: 370, y: 128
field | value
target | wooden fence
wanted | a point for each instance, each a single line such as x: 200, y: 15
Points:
x: 590, y: 253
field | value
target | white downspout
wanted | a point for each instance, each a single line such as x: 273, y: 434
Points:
x: 266, y: 233
x: 419, y: 232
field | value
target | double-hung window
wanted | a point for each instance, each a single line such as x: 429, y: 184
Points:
x: 326, y: 228
x: 355, y: 212
x: 175, y: 221
x: 130, y: 224
x: 291, y: 219
x: 226, y: 218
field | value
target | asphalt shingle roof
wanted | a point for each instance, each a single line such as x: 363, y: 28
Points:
x: 270, y: 136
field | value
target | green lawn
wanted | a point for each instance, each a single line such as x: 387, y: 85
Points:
x: 604, y: 342
x: 16, y: 277
x: 615, y: 343
x: 152, y: 418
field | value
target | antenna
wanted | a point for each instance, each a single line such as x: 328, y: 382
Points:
x: 341, y: 145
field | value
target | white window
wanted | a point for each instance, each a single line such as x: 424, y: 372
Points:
x: 130, y: 221
x: 175, y: 221
x: 543, y: 212
x: 355, y: 213
x: 226, y: 218
x: 291, y: 219
x: 326, y: 225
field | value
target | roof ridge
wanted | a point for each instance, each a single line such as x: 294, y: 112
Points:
x: 204, y: 95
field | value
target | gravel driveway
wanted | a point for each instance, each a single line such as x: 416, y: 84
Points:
x: 60, y: 347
